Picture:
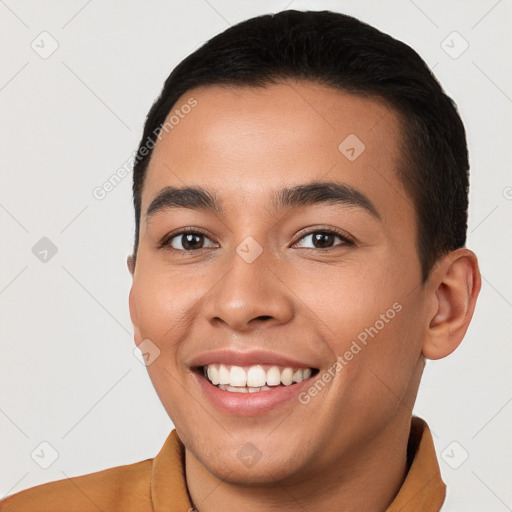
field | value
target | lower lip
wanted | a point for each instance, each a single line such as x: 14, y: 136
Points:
x: 249, y: 404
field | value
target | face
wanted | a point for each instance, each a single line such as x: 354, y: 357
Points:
x: 264, y: 272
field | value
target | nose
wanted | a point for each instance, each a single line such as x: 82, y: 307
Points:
x: 249, y: 295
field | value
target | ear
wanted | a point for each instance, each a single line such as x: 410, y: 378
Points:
x: 130, y: 263
x: 454, y: 286
x: 134, y: 317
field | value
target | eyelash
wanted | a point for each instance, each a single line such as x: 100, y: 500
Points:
x: 345, y: 238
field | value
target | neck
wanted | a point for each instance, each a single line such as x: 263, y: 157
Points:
x: 368, y: 478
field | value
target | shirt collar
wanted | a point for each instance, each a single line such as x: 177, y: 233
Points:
x: 423, y: 489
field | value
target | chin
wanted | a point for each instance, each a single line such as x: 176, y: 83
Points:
x: 260, y: 475
x: 248, y: 465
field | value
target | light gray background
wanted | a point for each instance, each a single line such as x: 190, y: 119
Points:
x: 68, y: 122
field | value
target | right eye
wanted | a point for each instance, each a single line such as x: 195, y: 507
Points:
x: 187, y: 241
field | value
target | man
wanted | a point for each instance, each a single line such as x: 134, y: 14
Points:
x: 300, y: 195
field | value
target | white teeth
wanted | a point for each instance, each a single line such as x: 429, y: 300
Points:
x: 235, y: 389
x: 223, y: 374
x: 237, y: 376
x: 273, y: 376
x: 286, y: 376
x: 213, y: 374
x: 297, y: 376
x: 255, y: 378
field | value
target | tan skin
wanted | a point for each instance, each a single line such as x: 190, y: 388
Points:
x: 294, y: 299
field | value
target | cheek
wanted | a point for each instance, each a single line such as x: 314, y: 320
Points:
x: 355, y: 301
x: 373, y: 318
x: 160, y: 305
x: 164, y: 304
x: 390, y: 345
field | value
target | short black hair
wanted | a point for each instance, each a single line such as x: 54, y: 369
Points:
x: 341, y: 52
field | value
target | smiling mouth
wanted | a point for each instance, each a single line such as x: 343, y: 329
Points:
x: 254, y: 378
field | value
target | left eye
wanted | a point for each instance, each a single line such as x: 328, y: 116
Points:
x: 189, y: 242
x: 324, y: 239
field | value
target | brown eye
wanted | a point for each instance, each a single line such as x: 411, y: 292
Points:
x: 190, y: 241
x: 323, y: 240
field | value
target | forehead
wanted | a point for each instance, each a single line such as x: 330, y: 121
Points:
x: 245, y: 143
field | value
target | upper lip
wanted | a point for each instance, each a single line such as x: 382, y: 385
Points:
x: 246, y: 358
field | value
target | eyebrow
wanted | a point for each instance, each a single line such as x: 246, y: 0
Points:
x: 199, y: 198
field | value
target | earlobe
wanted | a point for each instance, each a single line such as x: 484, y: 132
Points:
x: 455, y: 283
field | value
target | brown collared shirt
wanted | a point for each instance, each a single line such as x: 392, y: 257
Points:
x: 159, y: 485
